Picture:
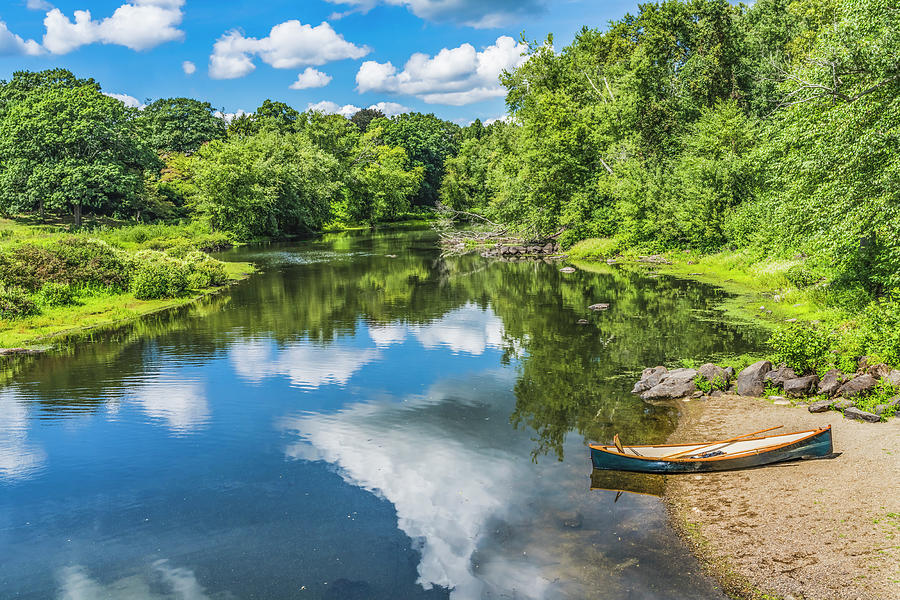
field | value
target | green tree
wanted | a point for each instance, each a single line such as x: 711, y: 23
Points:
x: 65, y: 148
x: 382, y: 185
x: 362, y: 118
x: 180, y: 124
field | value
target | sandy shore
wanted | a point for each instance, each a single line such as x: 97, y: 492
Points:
x: 822, y: 529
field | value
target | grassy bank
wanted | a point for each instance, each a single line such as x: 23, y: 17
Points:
x: 56, y: 281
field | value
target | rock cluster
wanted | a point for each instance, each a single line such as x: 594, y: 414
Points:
x: 841, y: 391
x: 537, y: 249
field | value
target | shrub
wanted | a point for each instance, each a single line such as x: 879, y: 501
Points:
x: 595, y: 248
x: 880, y: 329
x: 15, y: 303
x: 89, y: 261
x: 56, y: 294
x: 214, y: 242
x: 158, y: 275
x: 204, y: 270
x: 802, y: 348
x: 801, y: 276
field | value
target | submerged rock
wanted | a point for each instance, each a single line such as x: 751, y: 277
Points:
x: 861, y: 415
x: 857, y: 386
x: 801, y: 386
x: 599, y: 306
x: 567, y: 270
x: 751, y: 381
x: 831, y: 382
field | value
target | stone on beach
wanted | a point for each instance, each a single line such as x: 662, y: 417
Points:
x: 861, y: 415
x: 649, y: 378
x: 820, y: 406
x: 801, y: 386
x: 672, y: 384
x: 831, y: 382
x: 711, y: 372
x: 751, y: 381
x: 780, y: 374
x: 857, y: 386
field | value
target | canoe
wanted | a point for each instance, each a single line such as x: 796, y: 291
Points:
x: 725, y: 455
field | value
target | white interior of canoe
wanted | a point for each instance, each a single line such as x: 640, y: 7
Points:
x: 729, y: 448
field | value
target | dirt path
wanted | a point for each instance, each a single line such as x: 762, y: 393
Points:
x: 823, y: 529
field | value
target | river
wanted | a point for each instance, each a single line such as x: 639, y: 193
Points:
x: 363, y: 419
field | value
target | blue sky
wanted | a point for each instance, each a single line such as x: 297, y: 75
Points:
x: 438, y: 56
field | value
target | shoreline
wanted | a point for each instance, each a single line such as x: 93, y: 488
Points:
x: 824, y: 529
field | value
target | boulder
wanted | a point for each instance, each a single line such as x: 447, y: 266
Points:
x: 712, y: 372
x: 843, y: 404
x: 751, y: 381
x: 801, y: 386
x: 893, y: 404
x: 779, y: 375
x: 599, y: 306
x: 820, y: 406
x: 879, y: 371
x: 857, y: 386
x: 893, y: 378
x: 649, y: 378
x: 831, y: 382
x: 729, y: 371
x: 861, y: 415
x: 670, y: 390
x: 567, y: 270
x: 582, y: 322
x: 680, y: 375
x: 862, y: 364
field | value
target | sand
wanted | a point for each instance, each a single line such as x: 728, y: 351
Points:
x: 820, y: 529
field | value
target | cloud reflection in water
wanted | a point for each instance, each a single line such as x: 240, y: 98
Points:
x: 18, y: 457
x: 160, y: 582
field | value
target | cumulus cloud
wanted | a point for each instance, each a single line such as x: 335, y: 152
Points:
x: 391, y: 108
x: 13, y: 45
x: 333, y: 108
x: 188, y: 67
x: 311, y: 78
x: 229, y: 117
x: 501, y: 119
x: 140, y: 25
x: 455, y: 76
x: 127, y: 100
x: 289, y: 45
x: 474, y: 13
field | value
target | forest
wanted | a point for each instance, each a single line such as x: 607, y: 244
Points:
x: 769, y: 131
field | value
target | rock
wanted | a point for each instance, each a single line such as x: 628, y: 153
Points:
x: 831, y: 382
x: 649, y: 378
x: 567, y: 270
x: 669, y: 390
x: 782, y: 402
x: 582, y: 321
x: 776, y: 398
x: 20, y: 351
x: 862, y: 364
x: 599, y: 306
x: 729, y: 371
x: 780, y: 375
x: 611, y: 261
x: 751, y: 381
x: 820, y: 406
x: 697, y: 395
x: 716, y: 394
x: 790, y: 320
x: 857, y: 386
x: 879, y: 371
x: 843, y: 404
x: 712, y: 372
x: 893, y: 378
x: 861, y: 415
x: 801, y: 386
x: 655, y: 259
x: 681, y: 375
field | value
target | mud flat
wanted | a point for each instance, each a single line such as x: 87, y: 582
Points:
x: 820, y: 529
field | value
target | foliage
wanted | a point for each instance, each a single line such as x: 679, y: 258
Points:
x: 158, y: 275
x: 362, y: 118
x: 56, y: 294
x: 205, y: 271
x: 883, y: 394
x: 802, y: 348
x: 595, y: 249
x: 73, y: 260
x: 180, y: 124
x: 15, y: 303
x: 381, y: 185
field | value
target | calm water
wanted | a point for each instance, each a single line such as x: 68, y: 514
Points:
x: 362, y: 420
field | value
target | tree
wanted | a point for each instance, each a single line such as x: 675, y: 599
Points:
x: 180, y: 124
x: 71, y: 147
x: 428, y: 142
x: 362, y: 118
x: 27, y: 82
x: 381, y: 184
x: 279, y: 116
x: 269, y: 184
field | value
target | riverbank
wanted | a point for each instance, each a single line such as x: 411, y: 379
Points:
x: 824, y: 529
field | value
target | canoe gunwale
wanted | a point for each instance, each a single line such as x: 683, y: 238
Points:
x: 810, y: 433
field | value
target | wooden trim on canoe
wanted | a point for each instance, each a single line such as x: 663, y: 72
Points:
x: 810, y: 432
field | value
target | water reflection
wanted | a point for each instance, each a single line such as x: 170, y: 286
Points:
x: 180, y: 403
x: 160, y: 582
x: 18, y: 457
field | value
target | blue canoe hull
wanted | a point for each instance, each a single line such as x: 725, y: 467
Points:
x: 817, y: 445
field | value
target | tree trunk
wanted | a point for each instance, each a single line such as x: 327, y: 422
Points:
x: 78, y: 214
x: 41, y: 209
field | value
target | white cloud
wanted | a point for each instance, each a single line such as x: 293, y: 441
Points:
x: 455, y: 76
x: 391, y: 108
x: 140, y: 25
x: 333, y: 108
x: 13, y: 45
x: 188, y: 67
x: 229, y: 117
x: 289, y: 45
x: 127, y: 100
x: 501, y: 118
x: 38, y: 5
x: 311, y: 78
x: 474, y: 13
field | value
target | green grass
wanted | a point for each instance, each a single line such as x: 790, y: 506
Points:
x: 594, y: 249
x: 98, y: 310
